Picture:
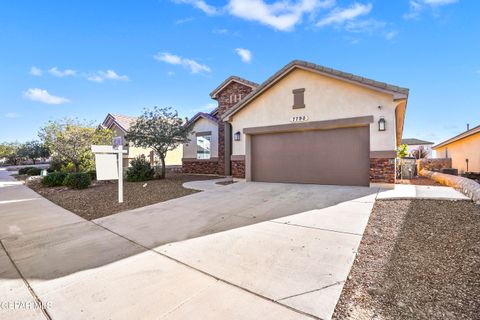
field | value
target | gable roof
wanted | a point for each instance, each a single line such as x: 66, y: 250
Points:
x: 458, y: 137
x: 414, y: 141
x: 230, y: 79
x: 122, y: 121
x: 201, y: 115
x: 397, y: 92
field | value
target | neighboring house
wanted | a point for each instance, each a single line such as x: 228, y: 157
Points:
x: 417, y: 144
x: 463, y: 149
x: 305, y: 124
x: 120, y: 124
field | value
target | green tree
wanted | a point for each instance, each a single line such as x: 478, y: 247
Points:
x: 33, y: 150
x: 9, y: 151
x: 160, y: 129
x: 402, y: 151
x: 69, y: 140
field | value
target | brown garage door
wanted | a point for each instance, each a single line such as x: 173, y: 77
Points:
x: 337, y: 157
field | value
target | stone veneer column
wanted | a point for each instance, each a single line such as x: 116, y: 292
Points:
x: 382, y: 170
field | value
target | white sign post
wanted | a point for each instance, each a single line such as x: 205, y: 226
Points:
x: 109, y: 165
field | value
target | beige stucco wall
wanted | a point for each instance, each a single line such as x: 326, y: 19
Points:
x: 467, y: 148
x: 174, y: 157
x: 326, y: 98
x: 202, y: 125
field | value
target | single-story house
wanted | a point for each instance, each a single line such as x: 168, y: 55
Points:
x: 305, y: 124
x: 120, y: 124
x: 413, y: 145
x: 463, y: 149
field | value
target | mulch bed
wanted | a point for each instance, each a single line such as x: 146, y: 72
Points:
x: 418, y: 259
x: 101, y: 199
x: 418, y: 181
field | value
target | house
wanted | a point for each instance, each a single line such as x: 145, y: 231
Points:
x: 305, y: 124
x: 463, y: 149
x: 120, y: 124
x: 414, y: 145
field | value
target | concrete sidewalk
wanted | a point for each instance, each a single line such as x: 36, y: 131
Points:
x: 403, y: 191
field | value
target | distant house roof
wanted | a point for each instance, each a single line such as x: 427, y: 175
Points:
x: 122, y: 121
x: 230, y: 79
x: 458, y: 137
x: 398, y: 92
x: 413, y: 141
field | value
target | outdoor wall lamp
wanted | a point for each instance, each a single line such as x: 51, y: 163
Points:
x: 236, y: 136
x: 382, y: 124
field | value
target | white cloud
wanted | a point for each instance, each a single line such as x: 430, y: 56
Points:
x: 182, y: 21
x: 340, y: 16
x: 170, y: 73
x: 245, y: 54
x: 42, y: 95
x: 101, y: 76
x: 12, y: 115
x: 280, y: 15
x: 34, y: 71
x: 59, y: 73
x: 417, y: 6
x: 391, y: 34
x: 190, y: 64
x: 202, y: 5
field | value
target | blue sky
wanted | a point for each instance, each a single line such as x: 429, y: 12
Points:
x: 88, y: 58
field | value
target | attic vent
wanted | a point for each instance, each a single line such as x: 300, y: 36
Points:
x: 234, y: 98
x: 298, y: 98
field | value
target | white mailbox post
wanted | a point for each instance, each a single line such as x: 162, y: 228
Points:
x: 109, y: 165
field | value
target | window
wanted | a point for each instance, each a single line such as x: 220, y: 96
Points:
x: 203, y: 146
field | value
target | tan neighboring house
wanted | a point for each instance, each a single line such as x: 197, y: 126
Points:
x: 310, y: 124
x: 463, y: 149
x: 120, y: 124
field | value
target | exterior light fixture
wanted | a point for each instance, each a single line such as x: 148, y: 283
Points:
x: 382, y: 124
x: 236, y: 136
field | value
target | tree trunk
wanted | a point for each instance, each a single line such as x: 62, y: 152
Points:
x: 33, y: 160
x: 162, y: 159
x: 77, y: 166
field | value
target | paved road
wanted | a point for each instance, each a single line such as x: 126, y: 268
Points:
x: 242, y: 251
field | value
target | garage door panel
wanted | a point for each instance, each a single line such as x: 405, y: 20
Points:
x: 338, y: 157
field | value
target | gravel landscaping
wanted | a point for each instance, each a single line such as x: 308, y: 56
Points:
x: 101, y: 199
x: 418, y: 181
x: 418, y: 259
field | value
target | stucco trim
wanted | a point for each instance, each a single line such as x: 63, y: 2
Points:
x: 313, y: 125
x: 203, y: 160
x: 237, y: 157
x: 386, y: 154
x: 203, y: 133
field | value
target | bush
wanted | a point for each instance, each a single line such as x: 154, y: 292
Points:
x: 140, y: 170
x: 54, y: 179
x: 92, y: 174
x: 24, y: 170
x: 50, y: 170
x: 34, y: 171
x: 80, y: 180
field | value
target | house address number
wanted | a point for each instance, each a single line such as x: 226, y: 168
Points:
x: 299, y: 119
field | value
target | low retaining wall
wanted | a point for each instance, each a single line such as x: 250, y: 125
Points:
x: 468, y: 187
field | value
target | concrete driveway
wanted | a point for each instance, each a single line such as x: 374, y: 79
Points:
x: 242, y: 251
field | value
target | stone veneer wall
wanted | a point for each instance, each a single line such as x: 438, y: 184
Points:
x: 434, y: 164
x: 238, y: 168
x: 224, y: 104
x: 200, y: 166
x: 382, y: 170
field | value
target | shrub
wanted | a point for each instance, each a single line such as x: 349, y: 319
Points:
x: 80, y: 180
x: 24, y: 170
x: 140, y: 170
x: 50, y: 170
x: 34, y: 171
x: 92, y: 174
x: 54, y: 179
